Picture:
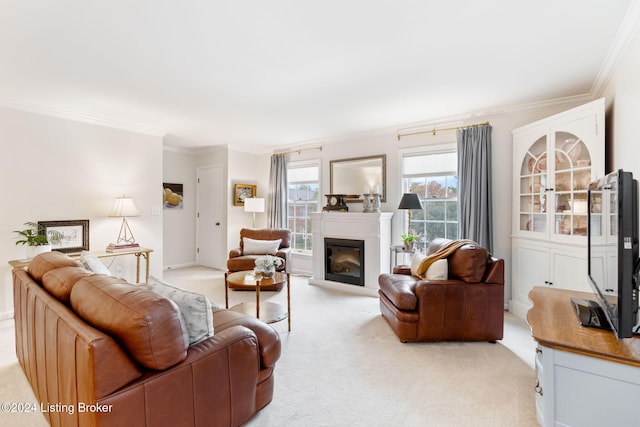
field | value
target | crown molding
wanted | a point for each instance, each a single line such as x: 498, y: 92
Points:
x: 45, y: 110
x: 457, y: 120
x: 627, y: 31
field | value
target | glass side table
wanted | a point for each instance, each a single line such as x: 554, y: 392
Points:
x: 394, y: 251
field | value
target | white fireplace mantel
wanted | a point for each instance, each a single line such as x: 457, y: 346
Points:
x: 373, y: 228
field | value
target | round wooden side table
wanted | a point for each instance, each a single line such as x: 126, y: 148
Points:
x: 268, y: 312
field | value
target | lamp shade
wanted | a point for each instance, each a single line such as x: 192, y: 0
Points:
x: 124, y: 207
x: 410, y: 201
x: 254, y: 204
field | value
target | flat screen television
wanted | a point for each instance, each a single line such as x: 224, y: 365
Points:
x: 612, y: 210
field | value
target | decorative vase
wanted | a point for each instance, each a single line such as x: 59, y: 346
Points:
x: 268, y: 273
x: 32, y: 251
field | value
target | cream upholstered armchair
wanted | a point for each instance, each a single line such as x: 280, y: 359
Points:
x: 257, y: 242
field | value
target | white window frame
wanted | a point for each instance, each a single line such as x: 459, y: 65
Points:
x: 425, y: 151
x: 301, y: 164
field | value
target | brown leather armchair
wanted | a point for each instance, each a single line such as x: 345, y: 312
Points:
x: 468, y: 306
x: 240, y: 261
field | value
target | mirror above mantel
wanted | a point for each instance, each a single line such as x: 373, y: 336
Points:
x: 355, y: 175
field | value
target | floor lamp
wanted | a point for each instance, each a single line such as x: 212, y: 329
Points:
x: 409, y: 202
x: 254, y: 204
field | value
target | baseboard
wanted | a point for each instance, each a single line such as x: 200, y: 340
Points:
x: 186, y: 264
x: 519, y: 309
x: 352, y: 289
x: 301, y: 272
x: 6, y: 315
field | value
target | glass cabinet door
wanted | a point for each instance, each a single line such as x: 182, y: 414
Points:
x: 554, y: 162
x: 534, y: 187
x: 553, y: 189
x: 572, y: 176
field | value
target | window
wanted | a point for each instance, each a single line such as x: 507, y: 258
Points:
x: 303, y: 182
x: 433, y: 176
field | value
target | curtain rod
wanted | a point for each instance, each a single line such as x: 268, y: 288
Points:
x: 434, y: 130
x: 319, y: 147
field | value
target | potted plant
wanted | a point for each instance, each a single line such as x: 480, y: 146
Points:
x: 409, y: 240
x: 37, y: 238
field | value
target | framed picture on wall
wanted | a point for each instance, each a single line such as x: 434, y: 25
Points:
x: 172, y: 196
x: 241, y: 192
x: 75, y: 234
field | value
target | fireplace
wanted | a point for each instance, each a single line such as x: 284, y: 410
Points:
x: 372, y: 231
x: 344, y: 261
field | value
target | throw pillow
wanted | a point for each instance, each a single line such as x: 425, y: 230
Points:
x: 439, y: 270
x: 260, y: 247
x: 91, y: 262
x: 195, y: 308
x: 183, y: 323
x: 416, y: 260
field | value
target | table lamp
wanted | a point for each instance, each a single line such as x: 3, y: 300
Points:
x: 254, y: 204
x: 409, y: 202
x: 123, y: 208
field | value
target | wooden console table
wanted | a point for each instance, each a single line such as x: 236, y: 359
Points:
x: 586, y: 376
x: 140, y: 252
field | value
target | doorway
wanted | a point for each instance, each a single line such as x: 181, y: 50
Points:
x: 210, y: 229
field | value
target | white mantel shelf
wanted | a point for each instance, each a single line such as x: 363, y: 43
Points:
x: 373, y: 228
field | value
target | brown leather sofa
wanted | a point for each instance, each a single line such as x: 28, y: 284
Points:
x: 136, y: 367
x: 468, y: 306
x: 239, y: 261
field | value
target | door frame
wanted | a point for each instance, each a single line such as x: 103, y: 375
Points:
x: 221, y: 258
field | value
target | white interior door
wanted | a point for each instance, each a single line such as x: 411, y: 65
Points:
x: 210, y: 230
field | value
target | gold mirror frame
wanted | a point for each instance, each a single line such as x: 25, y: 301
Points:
x: 361, y: 171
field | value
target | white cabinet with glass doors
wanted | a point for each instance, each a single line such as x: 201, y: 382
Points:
x: 554, y: 161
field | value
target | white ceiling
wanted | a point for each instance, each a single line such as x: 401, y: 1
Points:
x: 259, y: 75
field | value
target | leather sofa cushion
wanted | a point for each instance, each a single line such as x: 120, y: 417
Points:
x: 399, y: 288
x: 48, y: 261
x: 60, y: 281
x: 468, y: 263
x: 147, y: 325
x: 269, y: 344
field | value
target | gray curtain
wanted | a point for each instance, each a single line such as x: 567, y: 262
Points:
x: 475, y: 217
x: 277, y: 197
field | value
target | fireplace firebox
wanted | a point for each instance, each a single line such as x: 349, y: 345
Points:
x: 344, y: 261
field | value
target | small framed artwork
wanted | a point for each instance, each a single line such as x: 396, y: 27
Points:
x: 75, y: 234
x: 241, y: 192
x: 172, y: 196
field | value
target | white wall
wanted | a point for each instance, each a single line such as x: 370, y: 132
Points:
x: 179, y: 225
x: 238, y: 168
x: 387, y: 143
x: 623, y: 111
x: 57, y: 169
x: 246, y: 168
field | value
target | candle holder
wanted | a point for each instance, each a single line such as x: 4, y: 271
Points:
x: 371, y: 203
x: 366, y: 203
x: 375, y: 203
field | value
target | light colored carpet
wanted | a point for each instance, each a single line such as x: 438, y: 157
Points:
x: 342, y: 365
